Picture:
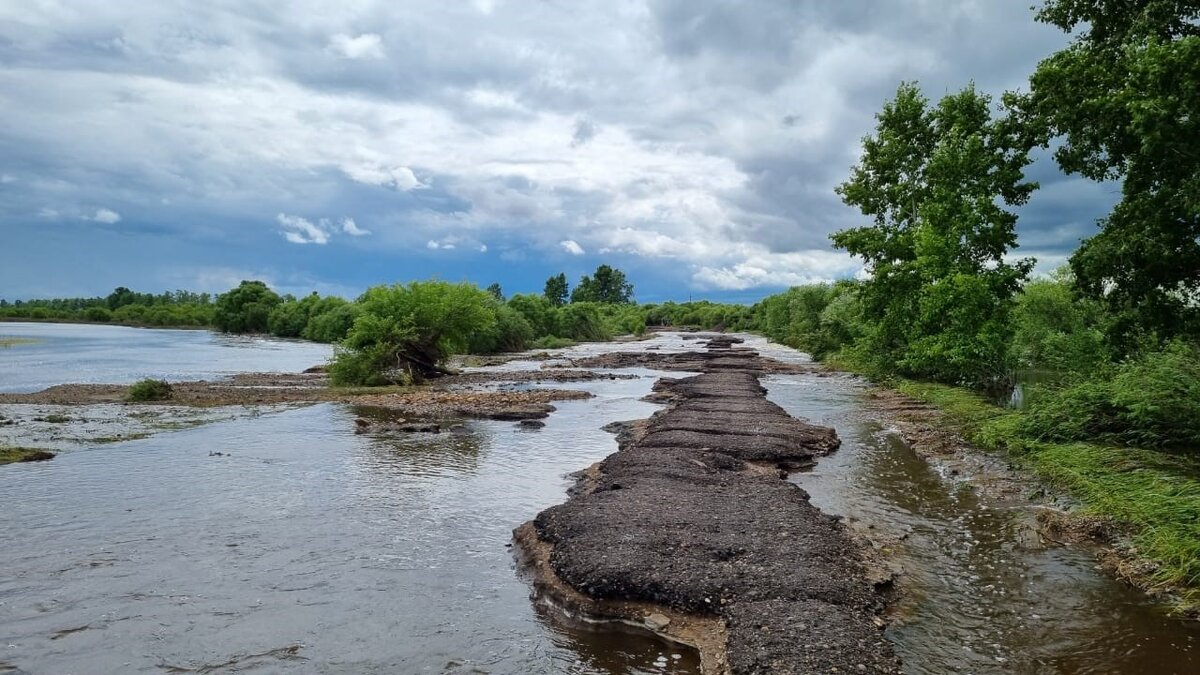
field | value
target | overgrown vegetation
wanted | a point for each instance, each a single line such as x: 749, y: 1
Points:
x: 11, y: 455
x: 149, y: 390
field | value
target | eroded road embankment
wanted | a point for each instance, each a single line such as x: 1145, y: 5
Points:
x: 690, y: 530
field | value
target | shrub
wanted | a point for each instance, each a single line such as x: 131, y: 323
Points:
x: 245, y: 309
x: 150, y: 390
x: 581, y: 321
x: 403, y: 332
x: 551, y: 342
x: 98, y: 314
x: 1151, y: 401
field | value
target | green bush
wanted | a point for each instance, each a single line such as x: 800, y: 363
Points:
x: 150, y: 390
x: 330, y: 321
x: 245, y: 309
x: 1055, y: 330
x: 510, y: 332
x: 582, y: 322
x: 403, y: 332
x: 98, y: 314
x: 551, y: 342
x: 1150, y: 401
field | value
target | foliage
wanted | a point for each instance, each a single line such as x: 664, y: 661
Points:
x: 607, y: 285
x: 1156, y: 494
x: 933, y: 180
x: 291, y: 316
x: 330, y: 320
x: 496, y: 292
x: 700, y: 314
x: 402, y: 332
x: 149, y: 390
x: 98, y: 314
x: 551, y: 342
x: 1055, y: 330
x: 539, y: 312
x: 1124, y: 99
x: 556, y: 290
x: 582, y: 322
x: 245, y: 309
x: 510, y: 332
x: 1152, y: 400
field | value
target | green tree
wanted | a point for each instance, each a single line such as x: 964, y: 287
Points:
x: 1124, y: 99
x: 556, y: 290
x: 934, y: 181
x: 403, y: 332
x: 607, y: 286
x: 245, y: 309
x: 496, y: 291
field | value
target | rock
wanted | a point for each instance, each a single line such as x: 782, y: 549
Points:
x: 531, y: 424
x: 656, y: 622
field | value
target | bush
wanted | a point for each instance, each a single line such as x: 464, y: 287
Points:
x: 582, y: 322
x: 510, y: 333
x: 1150, y: 401
x: 403, y: 332
x: 551, y: 342
x: 98, y: 314
x: 150, y: 390
x: 1055, y: 330
x: 245, y: 309
x: 331, y: 320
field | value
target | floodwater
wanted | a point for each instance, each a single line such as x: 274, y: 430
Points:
x: 303, y: 547
x: 982, y: 592
x: 88, y: 353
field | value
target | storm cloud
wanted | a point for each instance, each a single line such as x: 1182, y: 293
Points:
x: 694, y: 144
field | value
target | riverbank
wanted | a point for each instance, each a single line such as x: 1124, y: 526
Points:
x: 691, y: 530
x: 1139, y: 507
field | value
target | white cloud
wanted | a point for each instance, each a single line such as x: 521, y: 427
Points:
x: 106, y: 216
x: 365, y: 46
x: 351, y: 228
x: 47, y: 212
x: 298, y: 230
x: 571, y: 246
x: 7, y: 178
x: 401, y: 178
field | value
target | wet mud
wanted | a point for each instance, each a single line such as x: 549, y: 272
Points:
x: 683, y: 521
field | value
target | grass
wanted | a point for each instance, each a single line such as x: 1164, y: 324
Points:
x: 10, y: 455
x: 149, y: 390
x: 6, y: 342
x: 1155, y: 494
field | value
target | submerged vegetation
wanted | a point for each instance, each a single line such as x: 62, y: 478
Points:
x: 12, y: 455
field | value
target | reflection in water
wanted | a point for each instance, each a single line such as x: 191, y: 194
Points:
x: 982, y: 594
x: 304, y: 548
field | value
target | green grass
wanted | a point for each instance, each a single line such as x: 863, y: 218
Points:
x: 149, y: 390
x: 1156, y: 494
x: 9, y: 455
x: 6, y: 342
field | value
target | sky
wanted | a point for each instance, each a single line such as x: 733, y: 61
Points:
x: 332, y: 146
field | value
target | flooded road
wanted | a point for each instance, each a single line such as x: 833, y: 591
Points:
x: 304, y: 547
x: 982, y: 592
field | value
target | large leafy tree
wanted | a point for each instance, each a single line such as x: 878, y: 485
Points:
x: 556, y: 290
x: 1124, y: 100
x: 607, y: 285
x: 245, y: 309
x: 935, y: 181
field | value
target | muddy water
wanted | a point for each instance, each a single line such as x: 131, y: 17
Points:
x: 59, y: 353
x: 303, y: 548
x: 983, y: 592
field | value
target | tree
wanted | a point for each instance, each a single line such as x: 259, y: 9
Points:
x: 556, y: 290
x: 933, y: 180
x: 496, y: 292
x: 403, y: 332
x: 1124, y: 98
x: 607, y: 285
x: 245, y: 309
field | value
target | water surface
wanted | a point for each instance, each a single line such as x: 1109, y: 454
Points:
x: 87, y: 353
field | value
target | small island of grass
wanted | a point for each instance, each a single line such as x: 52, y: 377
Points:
x: 6, y: 342
x: 16, y: 454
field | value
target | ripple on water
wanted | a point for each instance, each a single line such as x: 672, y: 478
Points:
x: 981, y: 594
x: 304, y: 547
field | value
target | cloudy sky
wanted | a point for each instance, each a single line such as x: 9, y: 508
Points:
x: 331, y: 146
